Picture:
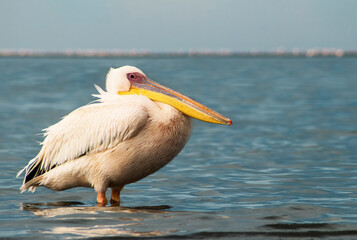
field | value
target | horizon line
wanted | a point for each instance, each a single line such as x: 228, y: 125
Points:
x: 142, y: 53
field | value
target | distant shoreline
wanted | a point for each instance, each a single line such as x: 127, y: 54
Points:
x: 95, y: 53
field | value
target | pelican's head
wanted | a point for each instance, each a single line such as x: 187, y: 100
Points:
x: 131, y: 80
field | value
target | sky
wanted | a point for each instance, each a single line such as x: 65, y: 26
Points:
x: 178, y: 25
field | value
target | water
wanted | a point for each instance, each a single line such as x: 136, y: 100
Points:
x: 286, y: 168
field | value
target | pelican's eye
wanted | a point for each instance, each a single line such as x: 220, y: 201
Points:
x: 135, y: 77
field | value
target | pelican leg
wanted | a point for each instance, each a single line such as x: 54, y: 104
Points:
x: 101, y: 199
x: 115, y: 197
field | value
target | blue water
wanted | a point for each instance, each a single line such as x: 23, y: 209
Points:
x: 286, y: 168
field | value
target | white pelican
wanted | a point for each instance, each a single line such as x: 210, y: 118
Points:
x: 133, y: 130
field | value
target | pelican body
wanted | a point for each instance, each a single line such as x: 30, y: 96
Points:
x: 134, y: 128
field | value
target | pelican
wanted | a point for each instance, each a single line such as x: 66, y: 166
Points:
x: 132, y: 130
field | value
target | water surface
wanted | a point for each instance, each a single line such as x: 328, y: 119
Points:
x: 286, y: 168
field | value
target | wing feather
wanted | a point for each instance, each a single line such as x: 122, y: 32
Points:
x: 89, y: 129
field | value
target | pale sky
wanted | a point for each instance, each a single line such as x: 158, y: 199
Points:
x: 178, y: 25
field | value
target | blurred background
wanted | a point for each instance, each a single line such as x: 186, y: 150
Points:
x: 178, y: 26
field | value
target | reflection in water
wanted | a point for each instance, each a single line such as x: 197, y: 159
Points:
x: 71, y: 211
x: 100, y: 231
x: 66, y: 208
